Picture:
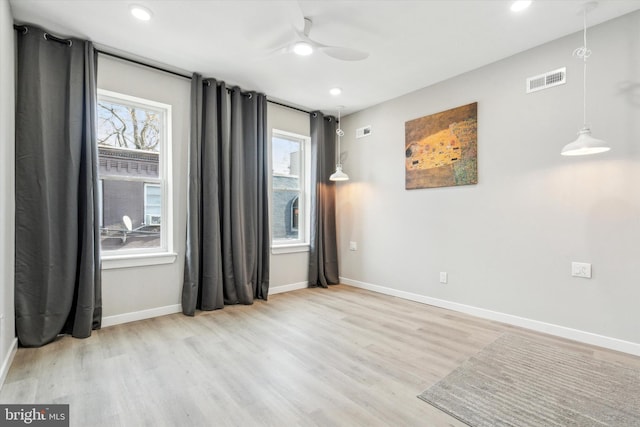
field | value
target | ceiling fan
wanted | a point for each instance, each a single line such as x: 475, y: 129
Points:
x: 304, y: 45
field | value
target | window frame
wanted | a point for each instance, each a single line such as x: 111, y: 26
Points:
x: 164, y: 254
x: 301, y: 244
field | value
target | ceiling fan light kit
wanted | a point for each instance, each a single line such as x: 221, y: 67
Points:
x: 302, y: 48
x: 303, y: 45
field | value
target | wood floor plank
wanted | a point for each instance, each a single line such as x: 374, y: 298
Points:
x: 315, y: 357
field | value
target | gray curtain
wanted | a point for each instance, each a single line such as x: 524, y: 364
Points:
x: 227, y: 256
x: 57, y: 265
x: 323, y: 256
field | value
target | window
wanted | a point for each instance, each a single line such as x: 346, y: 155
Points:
x: 290, y: 159
x: 133, y: 146
x: 294, y: 214
x: 152, y: 204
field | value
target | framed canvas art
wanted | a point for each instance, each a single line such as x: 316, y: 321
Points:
x: 441, y: 149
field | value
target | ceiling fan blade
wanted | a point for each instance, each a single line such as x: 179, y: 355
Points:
x: 281, y: 50
x: 337, y: 52
x: 344, y: 53
x: 276, y: 44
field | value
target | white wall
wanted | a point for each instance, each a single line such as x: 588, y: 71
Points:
x: 7, y: 185
x: 288, y: 271
x: 507, y: 242
x: 158, y: 287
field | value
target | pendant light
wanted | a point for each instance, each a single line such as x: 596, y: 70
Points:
x: 585, y: 144
x: 338, y: 175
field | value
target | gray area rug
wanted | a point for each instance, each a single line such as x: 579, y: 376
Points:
x: 519, y: 382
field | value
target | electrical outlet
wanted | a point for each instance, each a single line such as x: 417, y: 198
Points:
x: 581, y: 269
x: 443, y: 277
x: 353, y: 246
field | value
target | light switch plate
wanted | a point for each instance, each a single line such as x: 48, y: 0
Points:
x: 581, y: 269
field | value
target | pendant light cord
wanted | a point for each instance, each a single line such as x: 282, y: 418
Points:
x: 584, y: 53
x: 340, y: 133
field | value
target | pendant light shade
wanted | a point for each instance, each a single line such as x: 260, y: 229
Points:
x: 338, y: 175
x: 585, y: 144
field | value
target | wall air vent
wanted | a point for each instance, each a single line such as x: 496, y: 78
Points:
x: 547, y: 80
x: 363, y: 131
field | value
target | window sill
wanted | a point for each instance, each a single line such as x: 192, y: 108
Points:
x: 289, y: 249
x: 110, y: 262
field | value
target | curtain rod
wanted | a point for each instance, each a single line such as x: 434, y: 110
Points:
x: 175, y: 73
x: 144, y: 64
x: 289, y: 106
x: 47, y: 36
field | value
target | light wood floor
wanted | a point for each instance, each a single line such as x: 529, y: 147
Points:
x: 327, y: 357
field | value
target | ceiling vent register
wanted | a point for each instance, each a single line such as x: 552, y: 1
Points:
x: 547, y: 80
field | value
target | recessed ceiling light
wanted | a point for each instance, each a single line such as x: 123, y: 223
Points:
x: 140, y: 12
x: 335, y: 91
x: 302, y: 48
x: 520, y: 5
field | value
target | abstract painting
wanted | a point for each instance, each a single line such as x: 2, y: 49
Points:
x: 441, y: 149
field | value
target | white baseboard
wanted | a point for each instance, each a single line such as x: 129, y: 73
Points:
x: 6, y: 363
x: 140, y: 315
x: 547, y: 328
x: 286, y: 288
x: 177, y: 308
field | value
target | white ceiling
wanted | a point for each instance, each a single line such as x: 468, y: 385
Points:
x: 412, y: 44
